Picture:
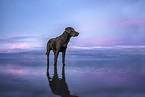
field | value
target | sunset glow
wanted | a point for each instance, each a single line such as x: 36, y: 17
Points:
x: 29, y: 25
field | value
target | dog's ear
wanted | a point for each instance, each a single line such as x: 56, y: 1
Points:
x: 67, y: 30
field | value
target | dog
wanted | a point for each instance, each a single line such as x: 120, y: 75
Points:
x: 59, y: 44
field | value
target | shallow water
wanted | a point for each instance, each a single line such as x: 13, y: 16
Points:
x: 85, y: 74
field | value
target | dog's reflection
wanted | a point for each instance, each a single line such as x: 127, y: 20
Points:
x: 58, y: 85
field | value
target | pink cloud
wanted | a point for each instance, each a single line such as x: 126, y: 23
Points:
x: 133, y: 22
x: 20, y: 46
x: 105, y: 42
x: 128, y: 22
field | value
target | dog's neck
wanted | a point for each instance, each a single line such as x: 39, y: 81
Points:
x: 66, y: 37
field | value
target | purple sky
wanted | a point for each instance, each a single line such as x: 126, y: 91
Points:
x: 29, y: 24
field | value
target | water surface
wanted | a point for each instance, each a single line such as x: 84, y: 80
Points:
x: 98, y: 73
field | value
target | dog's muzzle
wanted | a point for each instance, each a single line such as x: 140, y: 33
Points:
x: 76, y: 34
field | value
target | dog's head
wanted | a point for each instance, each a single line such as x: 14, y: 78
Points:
x: 71, y: 31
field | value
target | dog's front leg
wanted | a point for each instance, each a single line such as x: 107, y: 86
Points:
x: 63, y: 56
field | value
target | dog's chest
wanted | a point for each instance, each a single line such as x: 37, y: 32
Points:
x: 64, y: 45
x: 63, y: 48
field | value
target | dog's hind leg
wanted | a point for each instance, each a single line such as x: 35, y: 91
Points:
x: 55, y: 57
x: 48, y: 50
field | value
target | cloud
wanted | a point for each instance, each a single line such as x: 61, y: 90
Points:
x: 19, y: 43
x: 16, y: 39
x: 20, y: 46
x: 126, y: 22
x: 89, y: 48
x: 105, y: 47
x: 100, y: 23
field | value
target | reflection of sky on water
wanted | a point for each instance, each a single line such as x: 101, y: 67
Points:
x: 94, y: 80
x: 94, y: 76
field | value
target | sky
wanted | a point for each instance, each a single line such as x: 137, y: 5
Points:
x: 27, y: 25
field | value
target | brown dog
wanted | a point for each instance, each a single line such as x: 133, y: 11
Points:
x: 59, y: 44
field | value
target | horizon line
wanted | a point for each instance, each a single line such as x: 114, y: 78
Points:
x: 74, y: 47
x: 107, y: 47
